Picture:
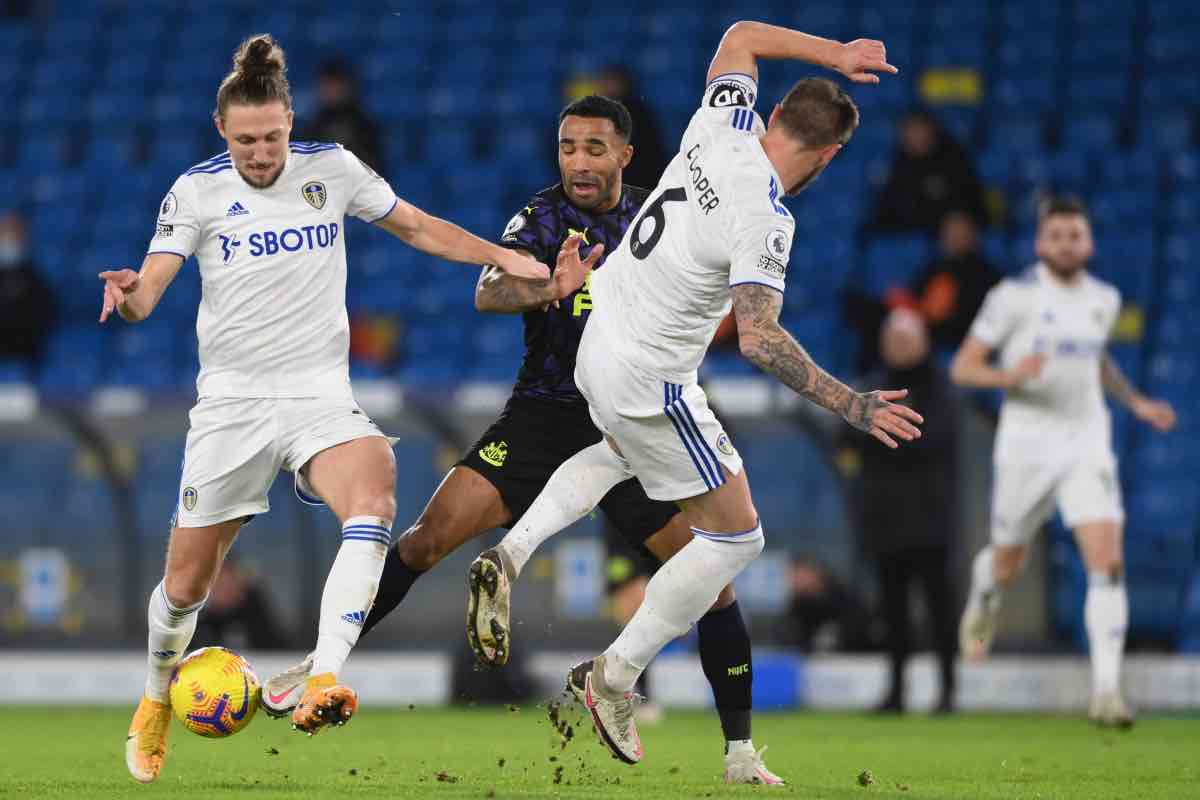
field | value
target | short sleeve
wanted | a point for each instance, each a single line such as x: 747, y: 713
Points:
x: 178, y: 228
x: 527, y: 230
x: 762, y: 244
x: 997, y: 317
x: 728, y: 102
x: 371, y: 198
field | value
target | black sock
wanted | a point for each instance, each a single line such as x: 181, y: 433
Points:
x: 725, y: 656
x: 394, y: 583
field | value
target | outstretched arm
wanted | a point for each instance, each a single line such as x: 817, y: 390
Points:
x: 772, y: 349
x: 443, y: 239
x: 745, y: 42
x: 501, y: 293
x: 134, y: 295
x: 970, y: 368
x: 1156, y: 412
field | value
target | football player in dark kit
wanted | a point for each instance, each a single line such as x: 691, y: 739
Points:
x: 546, y: 421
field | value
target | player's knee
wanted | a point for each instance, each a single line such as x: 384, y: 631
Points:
x: 725, y: 599
x: 186, y: 587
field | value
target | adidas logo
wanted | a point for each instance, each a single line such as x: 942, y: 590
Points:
x: 236, y: 210
x: 355, y: 617
x: 163, y: 654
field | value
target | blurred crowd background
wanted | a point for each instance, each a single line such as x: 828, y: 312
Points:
x: 998, y: 102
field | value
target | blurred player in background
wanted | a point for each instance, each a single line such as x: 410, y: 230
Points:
x: 713, y: 234
x: 546, y: 420
x: 265, y: 221
x: 1054, y: 440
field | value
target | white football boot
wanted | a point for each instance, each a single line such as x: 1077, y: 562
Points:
x: 1109, y: 710
x: 977, y: 628
x: 489, y: 600
x: 746, y: 766
x: 281, y: 693
x: 612, y: 712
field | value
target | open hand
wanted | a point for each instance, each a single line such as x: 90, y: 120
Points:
x: 1157, y: 413
x: 118, y: 284
x: 862, y: 57
x: 570, y: 272
x: 875, y: 413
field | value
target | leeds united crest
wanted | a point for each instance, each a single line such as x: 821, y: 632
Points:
x: 314, y: 194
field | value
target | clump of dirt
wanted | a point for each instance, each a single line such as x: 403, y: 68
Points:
x: 446, y: 777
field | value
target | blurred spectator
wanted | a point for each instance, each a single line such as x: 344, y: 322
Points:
x: 823, y: 614
x: 26, y: 302
x: 947, y: 293
x: 950, y: 290
x: 239, y: 613
x: 931, y: 174
x: 904, y: 503
x: 340, y: 116
x: 650, y: 156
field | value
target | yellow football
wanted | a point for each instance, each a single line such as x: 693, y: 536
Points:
x: 214, y: 692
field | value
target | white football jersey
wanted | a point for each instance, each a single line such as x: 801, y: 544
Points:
x: 714, y: 221
x: 1062, y: 410
x: 272, y: 320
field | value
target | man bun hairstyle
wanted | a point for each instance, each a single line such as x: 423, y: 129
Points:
x: 1061, y: 205
x: 595, y: 106
x: 818, y: 113
x: 259, y: 76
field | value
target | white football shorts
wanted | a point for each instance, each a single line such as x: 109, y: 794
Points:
x: 236, y: 446
x: 1025, y: 493
x: 666, y: 431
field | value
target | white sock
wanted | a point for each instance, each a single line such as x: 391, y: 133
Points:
x: 738, y: 746
x: 985, y: 592
x: 350, y: 590
x: 171, y: 630
x: 1106, y: 616
x: 573, y: 490
x: 682, y: 590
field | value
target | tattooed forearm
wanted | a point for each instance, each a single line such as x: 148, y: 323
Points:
x: 500, y: 293
x: 1115, y: 382
x: 772, y: 349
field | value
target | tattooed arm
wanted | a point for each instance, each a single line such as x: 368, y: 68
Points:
x: 1157, y: 413
x: 772, y: 349
x: 498, y: 292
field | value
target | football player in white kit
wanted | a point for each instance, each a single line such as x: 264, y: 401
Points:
x: 265, y: 221
x: 711, y: 235
x: 1054, y: 441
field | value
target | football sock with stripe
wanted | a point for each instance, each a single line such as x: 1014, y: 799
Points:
x: 1106, y: 616
x: 678, y: 595
x: 394, y: 584
x: 726, y: 658
x: 350, y: 590
x: 171, y: 630
x: 573, y: 491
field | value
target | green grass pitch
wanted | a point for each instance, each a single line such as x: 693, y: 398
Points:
x: 483, y: 753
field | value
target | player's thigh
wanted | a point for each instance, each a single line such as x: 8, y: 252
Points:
x: 355, y: 478
x: 1089, y: 498
x: 1022, y: 501
x: 230, y: 461
x: 464, y: 506
x: 194, y: 557
x: 340, y: 457
x: 655, y: 525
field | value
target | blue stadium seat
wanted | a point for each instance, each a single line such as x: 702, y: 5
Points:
x: 1139, y: 167
x: 1020, y: 94
x: 1090, y: 132
x: 1127, y: 260
x: 1169, y: 90
x: 1168, y: 130
x: 1124, y: 209
x: 1029, y: 53
x: 1017, y: 133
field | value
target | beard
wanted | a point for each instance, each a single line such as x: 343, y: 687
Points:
x: 1064, y: 270
x: 264, y: 184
